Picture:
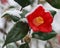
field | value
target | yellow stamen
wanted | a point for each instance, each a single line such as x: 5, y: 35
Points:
x: 38, y: 21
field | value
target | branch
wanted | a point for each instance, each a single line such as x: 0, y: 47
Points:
x: 50, y: 44
x: 2, y: 31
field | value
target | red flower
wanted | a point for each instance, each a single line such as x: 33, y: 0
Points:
x: 39, y: 20
x: 3, y: 1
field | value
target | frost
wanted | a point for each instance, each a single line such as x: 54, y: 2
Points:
x: 13, y: 12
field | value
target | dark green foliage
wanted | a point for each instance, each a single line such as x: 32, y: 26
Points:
x: 24, y: 45
x: 11, y: 17
x: 54, y: 3
x: 18, y: 32
x: 24, y: 12
x: 53, y: 12
x: 23, y: 3
x: 43, y: 36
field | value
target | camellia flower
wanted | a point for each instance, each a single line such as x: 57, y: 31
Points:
x: 39, y: 20
x: 3, y: 1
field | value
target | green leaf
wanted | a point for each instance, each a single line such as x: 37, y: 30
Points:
x: 24, y: 45
x: 53, y: 12
x: 23, y: 3
x: 11, y: 17
x: 11, y: 7
x: 18, y: 32
x: 43, y: 36
x: 54, y: 3
x: 24, y: 12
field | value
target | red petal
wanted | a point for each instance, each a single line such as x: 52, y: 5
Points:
x: 39, y: 11
x: 48, y: 18
x: 45, y: 28
x: 33, y: 26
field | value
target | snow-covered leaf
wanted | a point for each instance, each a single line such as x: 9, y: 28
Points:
x: 18, y: 32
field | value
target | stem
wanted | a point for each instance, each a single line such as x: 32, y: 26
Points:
x: 21, y: 9
x: 50, y: 44
x: 2, y: 31
x: 36, y: 43
x: 5, y: 26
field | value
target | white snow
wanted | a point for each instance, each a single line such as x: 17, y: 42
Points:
x: 56, y: 22
x: 13, y: 12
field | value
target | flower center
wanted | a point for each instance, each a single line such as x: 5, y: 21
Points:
x: 38, y: 21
